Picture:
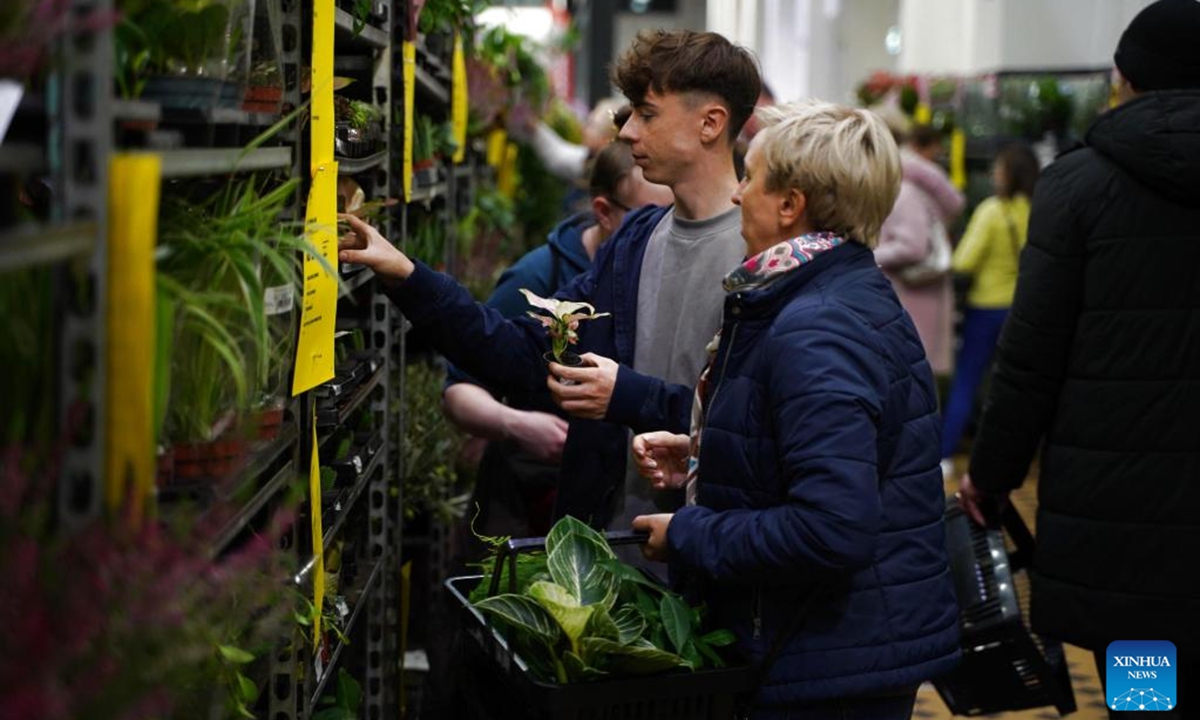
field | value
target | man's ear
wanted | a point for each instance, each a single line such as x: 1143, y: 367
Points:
x: 608, y: 216
x: 714, y: 122
x: 793, y: 207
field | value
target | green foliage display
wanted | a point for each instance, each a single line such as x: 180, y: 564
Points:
x: 431, y: 445
x: 27, y: 356
x: 189, y: 37
x: 345, y: 701
x: 443, y: 16
x: 581, y: 614
x: 217, y: 349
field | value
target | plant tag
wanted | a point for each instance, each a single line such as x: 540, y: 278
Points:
x: 358, y: 464
x: 278, y: 300
x: 10, y: 97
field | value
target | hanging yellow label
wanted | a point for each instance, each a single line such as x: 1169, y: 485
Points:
x: 323, y: 119
x: 923, y: 115
x: 318, y: 314
x: 458, y: 101
x: 409, y: 63
x: 133, y: 190
x: 318, y: 533
x: 958, y: 159
x: 497, y: 147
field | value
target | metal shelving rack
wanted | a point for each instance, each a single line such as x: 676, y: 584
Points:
x: 83, y: 118
x: 79, y: 106
x: 81, y: 137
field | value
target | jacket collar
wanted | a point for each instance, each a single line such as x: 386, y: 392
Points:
x: 766, y: 299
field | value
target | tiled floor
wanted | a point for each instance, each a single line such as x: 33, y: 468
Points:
x: 1088, y: 695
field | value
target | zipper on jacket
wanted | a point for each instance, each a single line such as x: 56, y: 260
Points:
x: 721, y: 378
x: 756, y: 616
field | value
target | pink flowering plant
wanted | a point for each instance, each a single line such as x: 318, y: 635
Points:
x: 114, y: 621
x: 562, y: 321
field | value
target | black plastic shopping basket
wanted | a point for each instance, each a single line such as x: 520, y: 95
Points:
x: 501, y: 686
x: 1004, y: 665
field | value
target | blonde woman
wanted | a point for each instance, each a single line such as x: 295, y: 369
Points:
x: 814, y: 522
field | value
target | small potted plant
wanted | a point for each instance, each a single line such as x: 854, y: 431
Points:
x: 561, y: 324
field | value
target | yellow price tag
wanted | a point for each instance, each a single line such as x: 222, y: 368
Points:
x: 318, y: 533
x: 958, y: 159
x: 318, y: 314
x: 458, y: 101
x: 323, y: 120
x: 133, y: 189
x: 923, y: 115
x: 409, y: 62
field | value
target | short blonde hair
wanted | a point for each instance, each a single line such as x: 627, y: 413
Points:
x: 843, y: 159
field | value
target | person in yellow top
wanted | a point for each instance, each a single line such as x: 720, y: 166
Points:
x: 989, y: 252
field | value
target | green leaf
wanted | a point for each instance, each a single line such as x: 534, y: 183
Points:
x: 575, y: 555
x: 247, y: 690
x: 235, y: 654
x: 676, y: 620
x: 579, y: 671
x: 691, y: 654
x: 524, y: 614
x: 349, y: 692
x: 601, y: 624
x: 719, y: 638
x: 630, y: 624
x: 564, y: 607
x: 611, y: 656
x: 713, y: 658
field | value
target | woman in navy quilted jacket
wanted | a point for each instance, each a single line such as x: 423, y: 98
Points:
x: 812, y: 466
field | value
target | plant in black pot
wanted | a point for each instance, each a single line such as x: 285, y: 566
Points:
x: 561, y: 324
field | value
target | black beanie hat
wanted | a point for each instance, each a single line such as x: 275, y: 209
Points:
x: 1160, y: 50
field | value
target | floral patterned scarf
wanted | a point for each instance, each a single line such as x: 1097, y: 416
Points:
x: 759, y: 271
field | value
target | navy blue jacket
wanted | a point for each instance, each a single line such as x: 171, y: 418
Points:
x: 542, y: 271
x: 506, y: 355
x: 819, y: 473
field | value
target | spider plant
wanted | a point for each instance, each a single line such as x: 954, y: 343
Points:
x: 217, y: 256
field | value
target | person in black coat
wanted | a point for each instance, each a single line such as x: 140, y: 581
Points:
x: 1098, y: 366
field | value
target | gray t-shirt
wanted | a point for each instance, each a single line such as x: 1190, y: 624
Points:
x: 679, y: 309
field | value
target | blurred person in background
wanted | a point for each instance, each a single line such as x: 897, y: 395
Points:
x: 1098, y: 367
x: 988, y: 254
x: 927, y: 206
x: 814, y: 518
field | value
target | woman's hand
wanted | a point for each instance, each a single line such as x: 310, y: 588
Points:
x: 656, y: 547
x: 662, y: 459
x: 364, y: 245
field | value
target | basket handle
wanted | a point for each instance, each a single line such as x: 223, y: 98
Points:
x: 508, y: 553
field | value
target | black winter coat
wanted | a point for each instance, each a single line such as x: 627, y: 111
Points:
x: 1098, y: 367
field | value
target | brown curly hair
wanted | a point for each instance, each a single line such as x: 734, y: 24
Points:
x: 681, y: 61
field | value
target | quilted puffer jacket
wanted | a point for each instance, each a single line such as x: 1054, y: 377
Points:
x: 818, y: 473
x: 1098, y: 374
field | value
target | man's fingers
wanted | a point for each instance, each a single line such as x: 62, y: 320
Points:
x: 351, y: 256
x: 357, y: 223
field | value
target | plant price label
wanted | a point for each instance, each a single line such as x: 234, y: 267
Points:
x: 279, y: 300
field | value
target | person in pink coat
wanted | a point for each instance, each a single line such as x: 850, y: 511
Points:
x: 927, y: 197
